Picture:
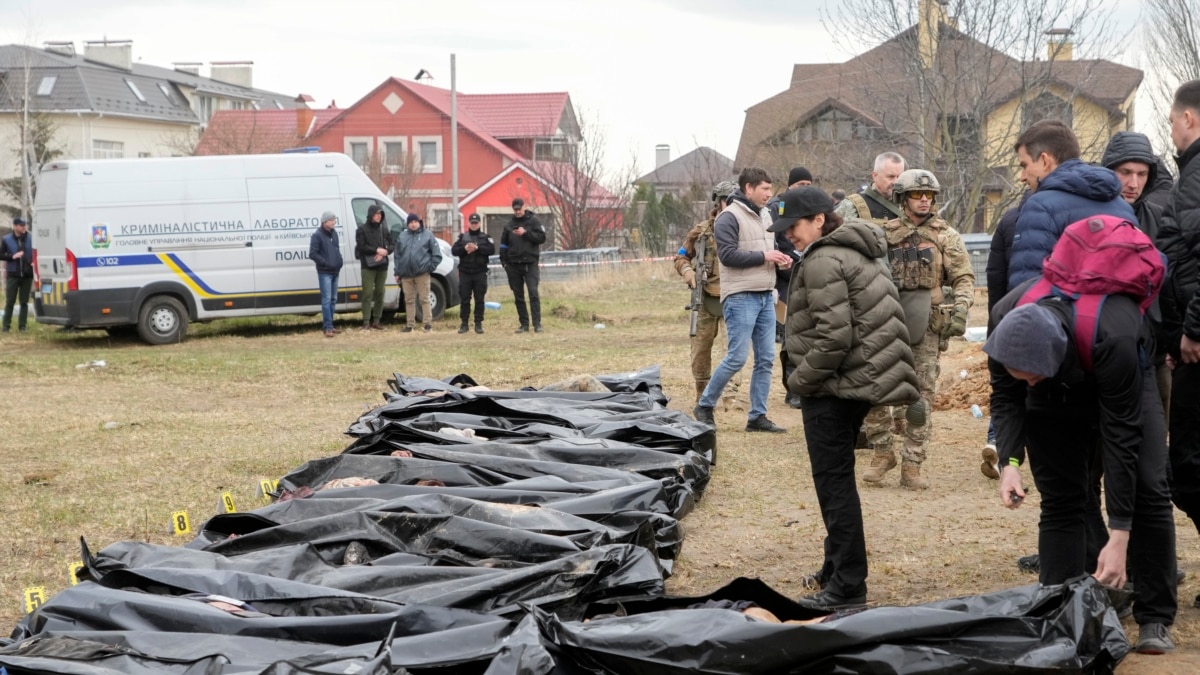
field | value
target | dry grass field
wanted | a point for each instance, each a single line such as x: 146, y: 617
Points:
x: 109, y: 453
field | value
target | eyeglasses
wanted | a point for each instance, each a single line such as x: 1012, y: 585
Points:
x: 922, y: 194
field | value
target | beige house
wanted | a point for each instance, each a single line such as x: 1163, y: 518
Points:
x: 102, y: 104
x: 944, y: 100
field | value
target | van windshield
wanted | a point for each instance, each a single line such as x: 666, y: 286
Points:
x: 395, y: 221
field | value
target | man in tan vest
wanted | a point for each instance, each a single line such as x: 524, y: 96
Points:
x: 747, y: 257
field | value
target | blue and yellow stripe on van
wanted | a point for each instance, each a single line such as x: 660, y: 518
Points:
x: 211, y: 298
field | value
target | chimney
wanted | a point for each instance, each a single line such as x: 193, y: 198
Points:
x: 233, y: 72
x: 931, y: 14
x: 1060, y: 47
x: 115, y: 53
x: 304, y: 115
x: 189, y: 67
x: 65, y: 48
x: 662, y: 155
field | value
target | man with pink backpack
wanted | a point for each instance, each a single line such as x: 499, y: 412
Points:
x: 1072, y: 383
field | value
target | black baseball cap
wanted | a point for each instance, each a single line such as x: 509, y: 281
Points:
x: 805, y: 201
x: 474, y: 218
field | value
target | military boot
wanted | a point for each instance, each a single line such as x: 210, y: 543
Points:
x: 883, y: 462
x: 910, y: 476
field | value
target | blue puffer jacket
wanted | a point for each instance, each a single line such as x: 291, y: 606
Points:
x: 417, y: 253
x: 1071, y: 192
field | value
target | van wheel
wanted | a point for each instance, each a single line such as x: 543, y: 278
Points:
x: 162, y: 320
x: 437, y: 299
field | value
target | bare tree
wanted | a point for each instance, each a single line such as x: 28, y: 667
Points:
x: 1171, y: 39
x: 949, y: 87
x: 587, y: 198
x: 395, y: 176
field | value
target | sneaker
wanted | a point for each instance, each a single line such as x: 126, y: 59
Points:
x: 761, y: 423
x: 1030, y: 563
x: 428, y: 327
x: 991, y: 461
x: 479, y: 328
x: 328, y: 333
x: 335, y: 330
x: 522, y: 329
x: 1154, y: 638
x: 366, y: 326
x: 462, y: 329
x: 407, y: 329
x: 704, y: 414
x: 4, y: 329
x: 828, y: 601
x: 377, y: 326
x: 537, y: 328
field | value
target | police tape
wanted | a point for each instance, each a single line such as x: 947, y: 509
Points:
x: 596, y: 262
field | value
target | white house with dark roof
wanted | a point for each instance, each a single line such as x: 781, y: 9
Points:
x: 103, y: 104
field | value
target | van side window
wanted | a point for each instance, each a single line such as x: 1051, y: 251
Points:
x: 360, y: 206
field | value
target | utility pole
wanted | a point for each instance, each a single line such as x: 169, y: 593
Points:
x: 455, y: 224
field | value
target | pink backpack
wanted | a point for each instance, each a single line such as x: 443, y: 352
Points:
x: 1094, y: 258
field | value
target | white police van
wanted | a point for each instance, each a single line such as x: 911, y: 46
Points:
x: 158, y: 243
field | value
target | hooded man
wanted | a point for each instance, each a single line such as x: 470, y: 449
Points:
x: 373, y: 246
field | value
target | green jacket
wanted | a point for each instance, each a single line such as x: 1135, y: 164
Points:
x: 845, y: 328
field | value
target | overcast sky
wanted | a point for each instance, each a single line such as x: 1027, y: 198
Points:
x: 680, y: 72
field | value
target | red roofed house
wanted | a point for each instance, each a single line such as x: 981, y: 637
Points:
x: 509, y: 145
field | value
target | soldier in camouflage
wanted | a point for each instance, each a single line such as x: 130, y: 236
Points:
x: 925, y: 254
x: 709, y: 322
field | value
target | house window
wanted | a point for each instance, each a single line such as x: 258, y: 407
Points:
x: 278, y: 105
x: 1046, y: 106
x: 960, y: 135
x: 553, y: 150
x: 136, y: 92
x: 394, y: 150
x: 204, y: 108
x: 142, y: 155
x: 166, y: 92
x: 439, y: 219
x: 428, y: 153
x: 46, y: 86
x: 107, y: 149
x: 358, y: 148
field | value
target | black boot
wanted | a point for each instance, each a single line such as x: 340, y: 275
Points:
x: 479, y: 327
x: 463, y: 328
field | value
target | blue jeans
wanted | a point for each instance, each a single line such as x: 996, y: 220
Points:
x: 328, y: 283
x: 749, y: 320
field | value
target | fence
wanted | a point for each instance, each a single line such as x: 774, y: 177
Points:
x: 567, y: 265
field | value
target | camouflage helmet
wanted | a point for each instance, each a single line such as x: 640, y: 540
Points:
x: 723, y: 189
x: 914, y: 179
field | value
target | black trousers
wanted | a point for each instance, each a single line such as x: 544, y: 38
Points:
x: 1062, y: 456
x: 17, y: 288
x: 830, y: 429
x: 1185, y: 439
x: 520, y: 277
x: 471, y: 284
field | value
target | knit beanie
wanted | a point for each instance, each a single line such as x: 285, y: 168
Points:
x: 1030, y: 339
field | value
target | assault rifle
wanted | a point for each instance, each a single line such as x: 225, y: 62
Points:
x: 701, y: 268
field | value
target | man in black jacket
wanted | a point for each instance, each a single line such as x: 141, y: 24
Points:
x: 520, y: 245
x: 1069, y: 418
x: 1179, y: 239
x: 373, y: 246
x: 1146, y: 186
x: 473, y: 249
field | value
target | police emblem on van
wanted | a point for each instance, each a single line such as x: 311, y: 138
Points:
x: 100, y: 236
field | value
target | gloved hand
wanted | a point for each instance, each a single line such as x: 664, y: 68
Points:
x: 958, y: 322
x: 689, y: 278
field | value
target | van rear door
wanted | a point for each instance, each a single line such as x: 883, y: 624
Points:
x: 50, y: 240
